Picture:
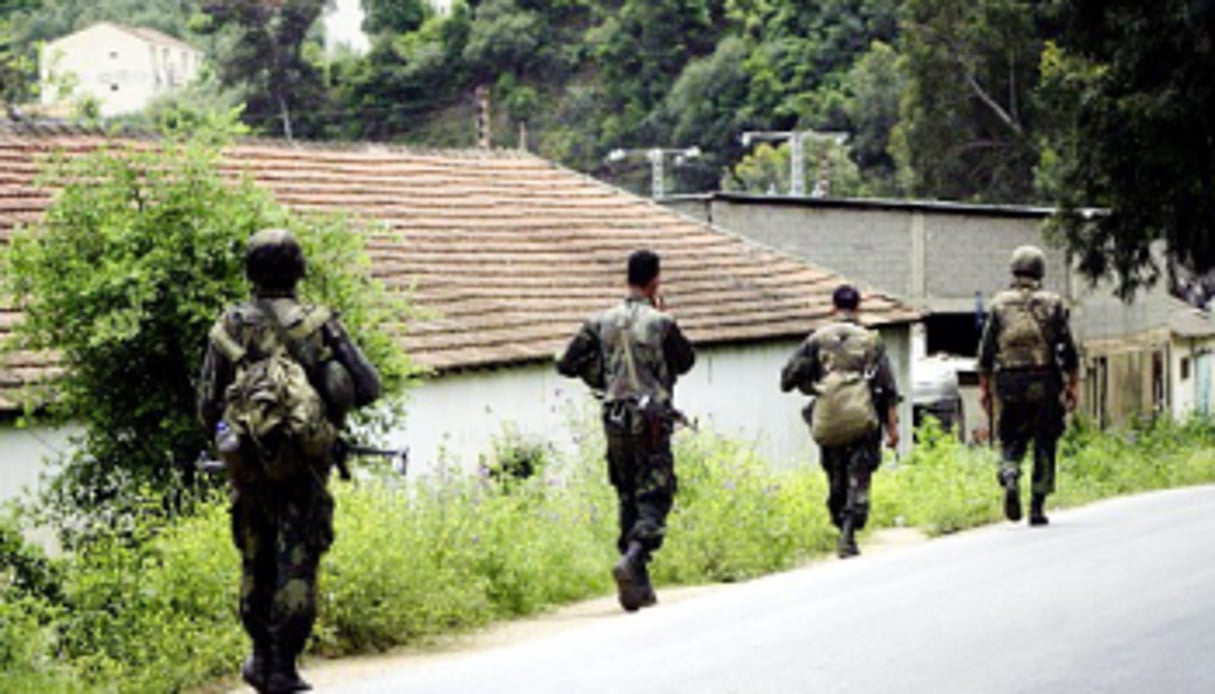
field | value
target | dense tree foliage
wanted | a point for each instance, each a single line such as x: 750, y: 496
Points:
x: 1016, y: 101
x: 124, y: 277
x: 1134, y: 82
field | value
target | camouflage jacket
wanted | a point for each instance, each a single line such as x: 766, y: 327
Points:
x: 632, y: 351
x: 1027, y: 328
x: 243, y: 331
x: 811, y: 362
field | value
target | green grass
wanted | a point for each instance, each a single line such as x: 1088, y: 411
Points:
x: 421, y: 558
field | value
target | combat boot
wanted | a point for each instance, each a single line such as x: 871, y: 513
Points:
x: 1012, y: 495
x: 846, y: 547
x: 1037, y: 512
x: 255, y: 668
x: 283, y: 678
x: 645, y: 589
x: 628, y: 588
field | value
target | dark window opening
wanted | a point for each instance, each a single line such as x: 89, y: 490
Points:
x: 952, y: 333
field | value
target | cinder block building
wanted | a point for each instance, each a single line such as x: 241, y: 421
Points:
x: 947, y: 260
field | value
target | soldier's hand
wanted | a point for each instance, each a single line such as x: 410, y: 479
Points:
x: 892, y: 438
x: 1069, y: 398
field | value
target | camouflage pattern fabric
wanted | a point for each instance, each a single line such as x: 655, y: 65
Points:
x: 281, y: 533
x: 642, y: 470
x: 1031, y: 411
x: 280, y: 527
x: 1027, y: 328
x: 850, y: 467
x: 633, y: 354
x: 1028, y: 377
x: 849, y: 472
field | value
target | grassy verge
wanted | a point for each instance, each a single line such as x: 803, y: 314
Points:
x: 417, y: 559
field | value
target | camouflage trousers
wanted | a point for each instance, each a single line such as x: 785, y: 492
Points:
x: 281, y: 532
x: 642, y: 470
x: 1039, y: 422
x: 849, y: 472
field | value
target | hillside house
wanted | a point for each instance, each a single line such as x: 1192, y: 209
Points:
x: 507, y: 253
x: 122, y: 67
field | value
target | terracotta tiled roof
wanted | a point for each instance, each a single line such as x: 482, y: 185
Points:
x: 506, y: 252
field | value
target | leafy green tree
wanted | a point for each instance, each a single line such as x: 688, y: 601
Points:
x: 968, y: 127
x: 1134, y: 82
x: 874, y: 84
x: 265, y: 54
x: 640, y: 49
x: 394, y: 16
x: 828, y: 169
x: 123, y: 278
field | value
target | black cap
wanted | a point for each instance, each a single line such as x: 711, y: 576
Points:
x: 846, y: 297
x: 643, y: 267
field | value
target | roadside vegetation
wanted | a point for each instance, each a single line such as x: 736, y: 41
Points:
x: 154, y: 611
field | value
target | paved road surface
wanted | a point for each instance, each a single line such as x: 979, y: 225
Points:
x: 1115, y: 597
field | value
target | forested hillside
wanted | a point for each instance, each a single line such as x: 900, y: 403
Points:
x: 954, y: 99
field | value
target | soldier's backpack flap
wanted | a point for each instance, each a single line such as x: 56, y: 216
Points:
x: 277, y: 413
x: 1022, y: 339
x: 843, y: 410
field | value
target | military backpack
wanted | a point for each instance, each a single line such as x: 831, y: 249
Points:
x: 271, y: 405
x: 843, y: 411
x: 1022, y: 341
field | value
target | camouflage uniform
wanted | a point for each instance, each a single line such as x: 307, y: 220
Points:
x: 633, y: 353
x: 849, y: 467
x: 280, y: 528
x: 1028, y: 344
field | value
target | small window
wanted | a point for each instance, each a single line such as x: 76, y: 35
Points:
x: 113, y: 55
x: 1185, y: 368
x: 113, y: 86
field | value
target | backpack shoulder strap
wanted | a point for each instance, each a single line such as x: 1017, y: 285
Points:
x: 226, y: 344
x: 280, y: 331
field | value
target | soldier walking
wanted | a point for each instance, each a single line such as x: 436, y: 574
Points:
x: 632, y: 354
x: 277, y: 382
x: 845, y: 367
x: 1028, y: 346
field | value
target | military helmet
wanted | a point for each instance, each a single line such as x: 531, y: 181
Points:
x: 274, y: 259
x: 1028, y: 261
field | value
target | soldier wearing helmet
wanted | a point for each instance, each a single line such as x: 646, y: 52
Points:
x: 282, y: 514
x: 1028, y: 351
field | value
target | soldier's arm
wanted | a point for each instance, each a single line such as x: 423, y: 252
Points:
x: 802, y: 370
x: 216, y: 374
x: 368, y: 385
x: 890, y: 397
x: 580, y: 353
x: 678, y: 351
x: 987, y: 357
x: 1067, y: 354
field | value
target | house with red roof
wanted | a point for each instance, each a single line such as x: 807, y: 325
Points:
x: 506, y: 254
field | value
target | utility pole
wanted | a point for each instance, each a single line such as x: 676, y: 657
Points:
x: 797, y: 156
x: 483, y: 120
x: 657, y: 158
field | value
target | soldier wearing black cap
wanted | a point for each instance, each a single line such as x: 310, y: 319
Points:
x: 844, y: 365
x: 632, y: 354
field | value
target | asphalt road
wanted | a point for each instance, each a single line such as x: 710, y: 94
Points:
x: 1114, y: 597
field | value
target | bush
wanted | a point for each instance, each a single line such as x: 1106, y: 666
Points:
x: 156, y: 611
x: 123, y: 277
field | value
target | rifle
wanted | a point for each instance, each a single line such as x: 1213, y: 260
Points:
x: 342, y: 451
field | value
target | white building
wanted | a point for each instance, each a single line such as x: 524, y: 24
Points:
x: 122, y: 67
x: 506, y: 254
